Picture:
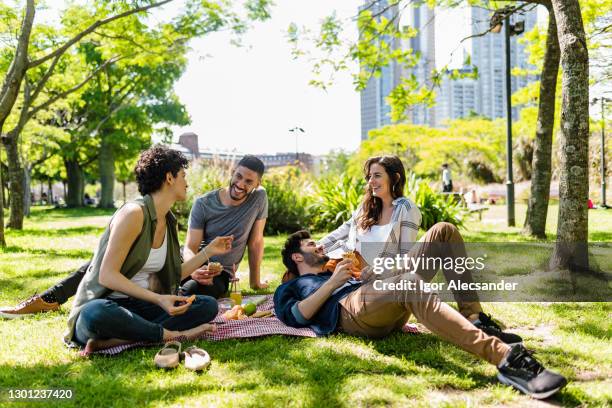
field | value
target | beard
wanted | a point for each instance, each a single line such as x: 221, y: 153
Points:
x: 315, y: 260
x: 245, y: 194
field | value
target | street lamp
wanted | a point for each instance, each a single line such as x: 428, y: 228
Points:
x: 499, y: 18
x: 295, y: 131
x: 603, y: 100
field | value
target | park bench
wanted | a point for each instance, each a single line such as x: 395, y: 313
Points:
x: 472, y: 208
x: 477, y: 209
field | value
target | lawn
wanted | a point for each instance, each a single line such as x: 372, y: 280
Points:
x: 403, y: 370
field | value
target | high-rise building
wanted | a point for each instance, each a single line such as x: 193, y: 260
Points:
x: 456, y: 98
x: 375, y: 111
x: 422, y: 18
x: 488, y: 54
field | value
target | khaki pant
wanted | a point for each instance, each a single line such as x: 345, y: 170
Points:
x: 376, y: 313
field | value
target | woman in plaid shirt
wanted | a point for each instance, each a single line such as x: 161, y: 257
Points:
x: 386, y: 225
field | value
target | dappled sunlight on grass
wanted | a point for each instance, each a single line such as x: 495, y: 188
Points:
x: 339, y: 370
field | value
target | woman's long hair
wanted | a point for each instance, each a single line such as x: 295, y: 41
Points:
x: 372, y: 206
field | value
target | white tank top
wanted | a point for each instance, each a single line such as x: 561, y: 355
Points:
x: 155, y: 262
x: 371, y: 243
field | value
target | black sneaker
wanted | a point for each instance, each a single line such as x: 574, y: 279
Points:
x: 487, y: 325
x: 522, y: 371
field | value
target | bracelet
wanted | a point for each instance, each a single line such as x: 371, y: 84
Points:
x: 205, y: 254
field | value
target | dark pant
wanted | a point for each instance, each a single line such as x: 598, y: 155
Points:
x: 68, y: 287
x: 218, y: 288
x: 137, y: 320
x: 447, y: 188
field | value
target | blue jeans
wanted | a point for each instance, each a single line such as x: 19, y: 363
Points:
x: 137, y: 320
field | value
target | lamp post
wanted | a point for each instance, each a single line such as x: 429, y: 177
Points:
x: 295, y: 131
x: 499, y: 18
x: 603, y: 101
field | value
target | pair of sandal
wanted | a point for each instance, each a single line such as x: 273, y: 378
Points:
x: 170, y: 355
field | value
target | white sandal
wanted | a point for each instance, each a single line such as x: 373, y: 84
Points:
x: 169, y: 355
x: 196, y: 359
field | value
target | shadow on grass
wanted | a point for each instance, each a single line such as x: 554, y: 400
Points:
x: 40, y: 213
x: 66, y: 253
x: 17, y: 285
x: 276, y: 371
x: 103, y: 383
x: 56, y: 232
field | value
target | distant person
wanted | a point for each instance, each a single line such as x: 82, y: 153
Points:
x: 447, y: 180
x: 43, y: 199
x: 87, y: 200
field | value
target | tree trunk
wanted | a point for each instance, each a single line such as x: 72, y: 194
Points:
x: 27, y: 194
x: 124, y: 199
x: 2, y: 240
x: 16, y: 183
x: 107, y: 175
x: 572, y: 231
x: 19, y: 65
x: 50, y: 199
x: 535, y: 222
x: 76, y: 183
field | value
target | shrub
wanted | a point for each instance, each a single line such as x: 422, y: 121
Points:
x: 434, y: 207
x: 335, y: 199
x: 288, y: 200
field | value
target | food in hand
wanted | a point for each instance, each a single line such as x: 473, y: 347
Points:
x: 215, y: 267
x: 357, y: 266
x: 188, y: 301
x: 249, y: 308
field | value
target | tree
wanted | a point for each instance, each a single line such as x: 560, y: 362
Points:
x: 198, y: 18
x: 373, y: 52
x: 572, y: 230
x: 537, y: 209
x: 25, y: 59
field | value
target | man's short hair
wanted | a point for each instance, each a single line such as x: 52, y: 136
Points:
x: 445, y: 165
x: 293, y: 246
x: 253, y: 163
x: 153, y: 165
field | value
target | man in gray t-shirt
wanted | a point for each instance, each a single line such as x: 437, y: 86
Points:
x: 240, y: 209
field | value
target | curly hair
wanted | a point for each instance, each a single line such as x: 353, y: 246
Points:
x: 372, y: 205
x: 153, y: 165
x: 292, y: 246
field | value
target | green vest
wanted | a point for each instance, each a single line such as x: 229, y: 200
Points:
x: 169, y: 276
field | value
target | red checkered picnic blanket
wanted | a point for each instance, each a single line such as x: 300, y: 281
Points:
x: 232, y: 329
x: 235, y: 329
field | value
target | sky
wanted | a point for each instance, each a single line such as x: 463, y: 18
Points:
x: 248, y: 98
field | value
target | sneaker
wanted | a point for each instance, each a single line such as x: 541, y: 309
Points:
x: 35, y: 304
x: 487, y: 325
x: 523, y: 372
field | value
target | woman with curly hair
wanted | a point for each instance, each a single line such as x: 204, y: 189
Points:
x: 127, y: 293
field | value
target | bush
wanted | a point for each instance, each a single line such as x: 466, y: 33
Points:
x: 202, y: 176
x: 335, y: 199
x: 434, y: 207
x: 288, y: 200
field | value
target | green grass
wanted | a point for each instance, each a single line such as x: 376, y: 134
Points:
x: 402, y: 370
